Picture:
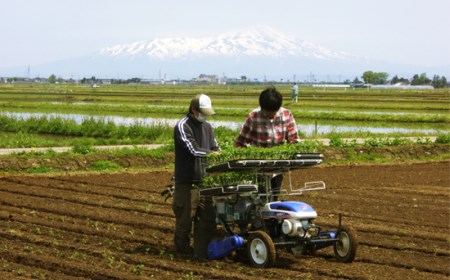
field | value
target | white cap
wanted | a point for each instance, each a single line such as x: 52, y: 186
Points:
x: 203, y: 103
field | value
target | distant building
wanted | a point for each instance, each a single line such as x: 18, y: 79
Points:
x: 331, y: 85
x: 104, y: 81
x: 207, y: 79
x: 401, y: 86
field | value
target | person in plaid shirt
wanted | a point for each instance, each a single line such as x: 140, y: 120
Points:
x: 268, y: 126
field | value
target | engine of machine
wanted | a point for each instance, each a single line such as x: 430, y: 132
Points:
x: 294, y: 228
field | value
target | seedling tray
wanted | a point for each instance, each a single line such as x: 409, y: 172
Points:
x: 264, y: 165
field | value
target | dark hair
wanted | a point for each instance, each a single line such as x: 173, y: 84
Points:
x: 270, y: 99
x: 194, y: 104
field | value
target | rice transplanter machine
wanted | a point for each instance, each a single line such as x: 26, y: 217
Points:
x: 254, y: 221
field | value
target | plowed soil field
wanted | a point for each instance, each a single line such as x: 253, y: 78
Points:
x: 117, y: 226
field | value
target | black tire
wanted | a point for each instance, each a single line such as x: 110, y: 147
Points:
x: 260, y: 249
x: 345, y: 248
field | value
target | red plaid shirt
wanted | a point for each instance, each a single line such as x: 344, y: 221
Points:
x: 261, y: 131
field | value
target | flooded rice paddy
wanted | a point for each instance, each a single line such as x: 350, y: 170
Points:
x: 307, y: 127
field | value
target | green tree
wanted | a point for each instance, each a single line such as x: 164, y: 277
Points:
x: 439, y: 82
x: 394, y: 80
x: 356, y: 81
x: 52, y: 79
x: 375, y: 78
x: 134, y: 80
x: 381, y: 78
x: 420, y: 80
x: 444, y: 82
x: 397, y: 80
x: 367, y: 77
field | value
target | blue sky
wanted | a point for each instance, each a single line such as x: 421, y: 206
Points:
x: 405, y: 31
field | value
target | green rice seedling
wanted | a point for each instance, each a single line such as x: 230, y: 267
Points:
x: 148, y: 207
x: 95, y: 225
x: 83, y: 147
x: 443, y: 139
x: 281, y: 152
x: 74, y: 255
x: 380, y: 142
x: 28, y: 249
x: 287, y: 151
x: 228, y: 179
x: 137, y: 269
x: 6, y: 266
x: 189, y: 276
x: 105, y: 165
x: 38, y: 169
x: 112, y: 227
x: 21, y: 271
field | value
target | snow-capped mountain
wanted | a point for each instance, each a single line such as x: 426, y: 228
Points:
x: 258, y: 52
x: 255, y: 41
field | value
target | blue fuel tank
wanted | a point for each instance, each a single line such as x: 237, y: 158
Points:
x: 220, y: 248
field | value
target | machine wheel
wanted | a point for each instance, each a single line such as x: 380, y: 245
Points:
x: 260, y: 249
x: 345, y: 248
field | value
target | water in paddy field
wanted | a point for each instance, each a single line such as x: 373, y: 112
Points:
x: 308, y: 128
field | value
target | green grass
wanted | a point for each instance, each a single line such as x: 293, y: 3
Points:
x: 421, y: 108
x: 105, y: 165
x: 38, y: 169
x: 314, y: 112
x: 89, y: 127
x: 49, y: 132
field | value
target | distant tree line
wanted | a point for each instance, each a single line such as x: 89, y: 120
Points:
x: 397, y: 80
x: 379, y: 78
x: 368, y: 77
x: 375, y: 78
x: 52, y: 79
x: 91, y: 80
x: 128, y: 81
x: 439, y: 82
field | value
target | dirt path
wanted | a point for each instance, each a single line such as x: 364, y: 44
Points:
x: 324, y: 141
x: 67, y: 149
x: 117, y: 226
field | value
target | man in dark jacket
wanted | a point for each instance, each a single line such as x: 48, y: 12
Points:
x: 194, y: 139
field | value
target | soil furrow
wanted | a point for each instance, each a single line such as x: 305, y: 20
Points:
x: 116, y: 225
x: 94, y: 200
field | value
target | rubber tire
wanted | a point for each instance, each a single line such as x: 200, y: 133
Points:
x: 345, y: 249
x: 260, y: 249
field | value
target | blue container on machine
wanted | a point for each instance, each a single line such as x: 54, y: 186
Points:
x: 220, y: 248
